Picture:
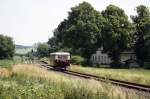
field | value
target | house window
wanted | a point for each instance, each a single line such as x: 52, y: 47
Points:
x: 104, y: 58
x: 95, y: 58
x: 99, y: 58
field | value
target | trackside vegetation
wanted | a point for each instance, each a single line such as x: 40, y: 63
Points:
x: 77, y: 60
x: 32, y: 82
x: 141, y: 76
x: 7, y: 63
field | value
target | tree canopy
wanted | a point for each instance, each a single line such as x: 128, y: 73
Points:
x: 117, y: 33
x: 86, y: 29
x: 142, y: 33
x: 82, y: 29
x: 7, y: 47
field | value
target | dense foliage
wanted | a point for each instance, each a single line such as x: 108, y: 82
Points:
x: 7, y: 47
x: 77, y: 60
x: 117, y: 33
x: 142, y: 33
x: 43, y: 50
x: 53, y: 44
x: 85, y: 30
x: 81, y: 31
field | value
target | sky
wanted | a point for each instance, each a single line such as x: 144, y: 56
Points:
x: 32, y: 21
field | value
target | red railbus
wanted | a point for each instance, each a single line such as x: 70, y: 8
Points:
x: 60, y: 59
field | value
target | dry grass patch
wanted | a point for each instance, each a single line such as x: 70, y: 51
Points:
x: 5, y: 72
x: 36, y: 71
x: 32, y: 70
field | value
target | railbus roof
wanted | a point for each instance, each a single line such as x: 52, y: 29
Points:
x: 60, y: 53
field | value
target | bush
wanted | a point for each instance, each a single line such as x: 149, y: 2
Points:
x: 147, y: 65
x: 77, y: 60
x: 116, y: 64
x: 7, y: 47
x: 43, y: 50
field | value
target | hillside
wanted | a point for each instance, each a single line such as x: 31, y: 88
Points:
x: 20, y: 49
x: 22, y: 46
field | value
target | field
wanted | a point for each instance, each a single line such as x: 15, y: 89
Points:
x: 6, y: 63
x: 26, y: 81
x: 141, y: 76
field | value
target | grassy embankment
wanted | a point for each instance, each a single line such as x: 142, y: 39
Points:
x: 7, y: 63
x: 141, y: 76
x: 32, y: 82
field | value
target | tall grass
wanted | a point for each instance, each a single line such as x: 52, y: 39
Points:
x: 141, y: 76
x: 23, y: 87
x: 32, y: 82
x: 7, y: 63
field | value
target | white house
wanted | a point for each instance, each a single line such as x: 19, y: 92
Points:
x: 102, y: 58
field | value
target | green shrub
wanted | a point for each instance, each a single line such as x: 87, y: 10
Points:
x: 77, y: 60
x: 147, y: 65
x: 116, y: 64
x: 7, y: 47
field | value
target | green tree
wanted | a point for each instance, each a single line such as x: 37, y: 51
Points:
x: 142, y: 33
x: 81, y: 31
x: 117, y: 33
x: 147, y: 46
x: 7, y: 47
x: 53, y: 46
x: 43, y: 50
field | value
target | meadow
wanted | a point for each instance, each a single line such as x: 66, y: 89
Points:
x: 7, y: 63
x: 141, y: 76
x: 26, y: 81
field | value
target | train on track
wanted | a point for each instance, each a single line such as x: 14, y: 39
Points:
x: 60, y: 60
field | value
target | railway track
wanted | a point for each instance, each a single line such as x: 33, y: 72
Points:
x: 125, y: 84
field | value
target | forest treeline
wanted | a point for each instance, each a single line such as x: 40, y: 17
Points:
x: 86, y: 29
